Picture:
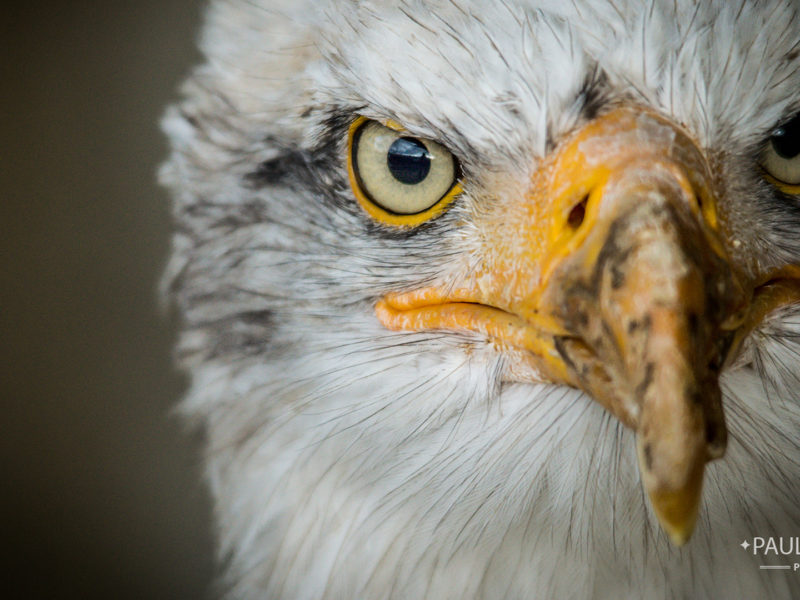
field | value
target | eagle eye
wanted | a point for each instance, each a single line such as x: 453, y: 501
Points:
x: 399, y: 179
x: 781, y: 156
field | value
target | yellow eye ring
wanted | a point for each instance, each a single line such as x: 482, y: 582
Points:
x: 417, y: 200
x: 786, y: 188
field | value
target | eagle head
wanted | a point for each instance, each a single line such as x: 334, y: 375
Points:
x: 493, y: 300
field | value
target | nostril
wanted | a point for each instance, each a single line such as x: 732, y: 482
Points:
x: 577, y: 214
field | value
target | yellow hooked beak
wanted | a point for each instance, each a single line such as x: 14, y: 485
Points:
x: 610, y: 274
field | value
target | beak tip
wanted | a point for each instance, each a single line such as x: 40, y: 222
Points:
x: 678, y: 520
x: 678, y: 535
x: 676, y: 506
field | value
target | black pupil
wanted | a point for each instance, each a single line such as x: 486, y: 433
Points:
x: 786, y: 139
x: 408, y: 160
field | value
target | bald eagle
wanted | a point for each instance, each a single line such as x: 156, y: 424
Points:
x: 494, y: 299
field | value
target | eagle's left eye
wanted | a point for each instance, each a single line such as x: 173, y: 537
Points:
x: 399, y: 179
x: 781, y: 157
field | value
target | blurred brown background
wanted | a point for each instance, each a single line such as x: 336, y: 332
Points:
x: 101, y: 487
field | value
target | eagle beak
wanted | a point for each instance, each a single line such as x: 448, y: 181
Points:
x: 617, y: 283
x: 648, y: 301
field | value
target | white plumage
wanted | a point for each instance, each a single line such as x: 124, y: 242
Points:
x: 350, y: 461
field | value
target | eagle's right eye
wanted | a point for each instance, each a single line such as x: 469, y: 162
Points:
x: 781, y: 156
x: 397, y: 178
